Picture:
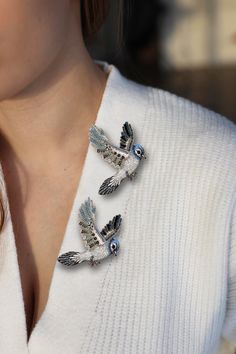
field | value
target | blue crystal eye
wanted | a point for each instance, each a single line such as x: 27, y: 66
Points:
x: 114, y: 245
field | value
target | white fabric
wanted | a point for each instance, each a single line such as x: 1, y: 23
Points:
x: 172, y: 288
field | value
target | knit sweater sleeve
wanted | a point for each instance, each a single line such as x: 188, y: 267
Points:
x: 229, y: 327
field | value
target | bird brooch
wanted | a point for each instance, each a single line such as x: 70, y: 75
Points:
x: 99, y: 245
x: 125, y: 158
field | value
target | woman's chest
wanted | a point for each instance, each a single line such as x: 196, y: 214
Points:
x: 39, y: 229
x: 36, y: 265
x: 166, y: 289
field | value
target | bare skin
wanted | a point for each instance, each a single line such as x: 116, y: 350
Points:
x: 50, y: 93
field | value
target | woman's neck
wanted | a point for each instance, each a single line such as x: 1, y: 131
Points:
x: 55, y: 111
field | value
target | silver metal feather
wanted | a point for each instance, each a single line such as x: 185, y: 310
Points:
x: 125, y: 158
x: 98, y: 245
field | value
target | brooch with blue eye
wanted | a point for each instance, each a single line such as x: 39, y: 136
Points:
x: 98, y: 244
x: 125, y: 158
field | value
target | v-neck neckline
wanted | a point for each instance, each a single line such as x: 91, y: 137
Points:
x: 74, y: 292
x: 107, y: 68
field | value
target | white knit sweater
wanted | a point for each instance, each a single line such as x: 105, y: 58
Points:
x: 172, y: 287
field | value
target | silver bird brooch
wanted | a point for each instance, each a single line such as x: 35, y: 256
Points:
x: 99, y: 245
x: 125, y: 158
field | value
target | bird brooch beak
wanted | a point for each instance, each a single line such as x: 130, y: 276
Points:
x: 98, y: 244
x: 125, y: 158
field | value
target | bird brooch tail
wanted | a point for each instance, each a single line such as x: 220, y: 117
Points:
x: 109, y: 185
x: 70, y: 258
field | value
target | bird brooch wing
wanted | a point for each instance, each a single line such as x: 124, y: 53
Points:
x: 115, y: 156
x: 112, y: 227
x: 127, y: 137
x: 90, y: 235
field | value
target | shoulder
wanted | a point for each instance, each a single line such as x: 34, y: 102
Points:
x: 177, y: 113
x: 184, y: 127
x: 161, y: 109
x: 184, y: 137
x: 193, y: 125
x: 183, y: 122
x: 172, y: 109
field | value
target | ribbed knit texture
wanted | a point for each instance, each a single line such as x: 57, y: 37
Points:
x: 172, y: 288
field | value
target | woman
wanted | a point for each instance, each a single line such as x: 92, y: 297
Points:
x: 172, y: 288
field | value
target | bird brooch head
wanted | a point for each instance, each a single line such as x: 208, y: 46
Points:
x: 98, y: 244
x: 125, y: 158
x: 114, y: 246
x: 138, y: 151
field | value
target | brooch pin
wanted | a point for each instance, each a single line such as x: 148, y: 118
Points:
x: 125, y: 158
x: 99, y: 245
